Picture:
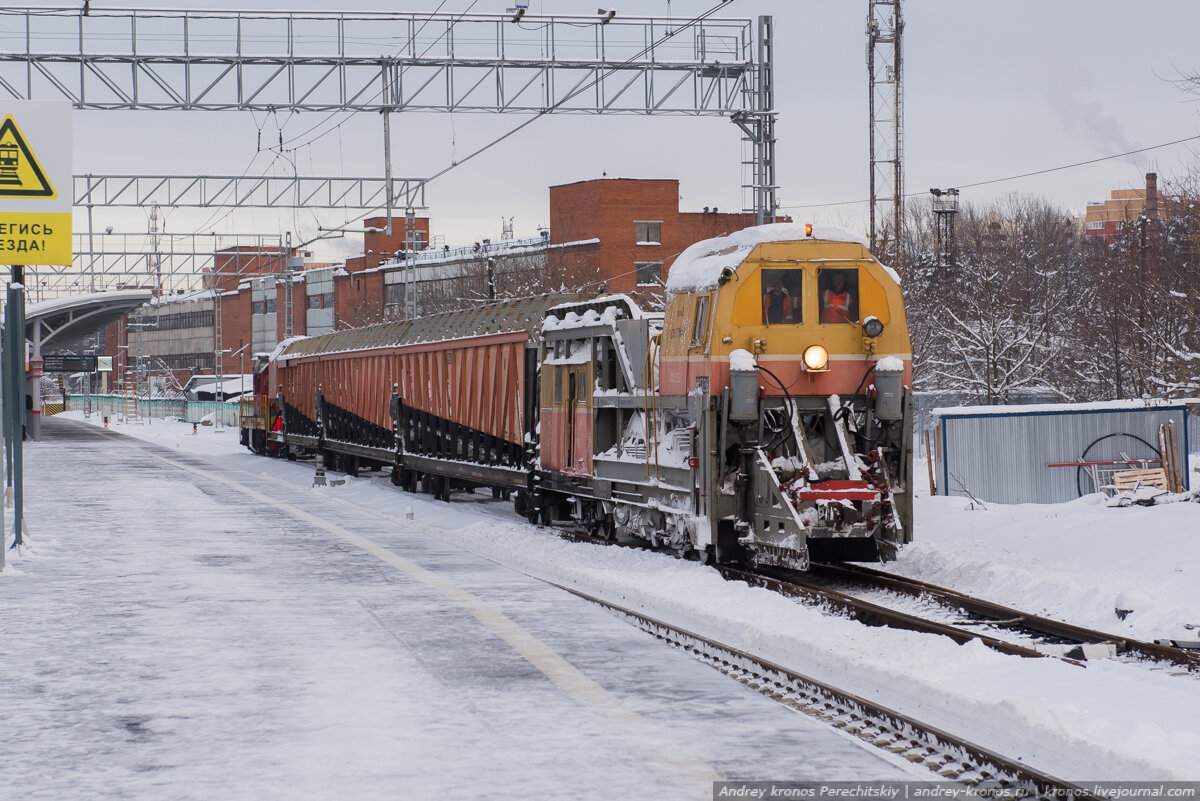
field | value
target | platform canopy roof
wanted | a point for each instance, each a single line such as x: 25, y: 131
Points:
x: 64, y: 322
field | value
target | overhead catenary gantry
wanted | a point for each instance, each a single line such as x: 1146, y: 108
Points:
x: 170, y: 261
x: 378, y: 61
x: 389, y: 62
x: 245, y: 191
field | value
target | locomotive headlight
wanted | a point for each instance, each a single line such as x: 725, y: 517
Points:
x: 816, y: 357
x: 872, y: 327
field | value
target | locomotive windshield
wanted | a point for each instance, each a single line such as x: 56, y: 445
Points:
x: 782, y: 292
x: 838, y: 291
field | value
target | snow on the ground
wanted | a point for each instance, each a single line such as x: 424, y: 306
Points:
x: 1108, y: 720
x: 170, y: 636
x: 1076, y: 561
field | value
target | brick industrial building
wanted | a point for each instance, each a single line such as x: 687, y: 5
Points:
x: 1107, y: 218
x: 607, y: 235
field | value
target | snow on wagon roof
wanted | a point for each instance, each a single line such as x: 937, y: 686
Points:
x: 701, y: 265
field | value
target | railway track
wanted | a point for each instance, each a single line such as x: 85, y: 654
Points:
x: 1043, y: 635
x: 945, y: 754
x: 1037, y: 636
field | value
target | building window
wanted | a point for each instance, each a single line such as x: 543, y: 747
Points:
x: 174, y: 322
x: 649, y: 233
x: 270, y: 305
x: 259, y: 307
x: 649, y: 273
x: 1095, y: 225
x: 324, y: 301
x: 393, y: 296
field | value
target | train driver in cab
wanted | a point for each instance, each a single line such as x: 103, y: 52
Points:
x: 777, y: 303
x: 839, y: 303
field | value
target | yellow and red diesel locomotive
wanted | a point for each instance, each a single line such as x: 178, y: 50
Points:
x: 765, y: 416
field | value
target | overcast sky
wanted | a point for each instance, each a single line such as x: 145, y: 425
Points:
x: 991, y: 89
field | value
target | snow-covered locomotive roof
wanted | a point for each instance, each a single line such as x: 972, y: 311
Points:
x: 701, y: 265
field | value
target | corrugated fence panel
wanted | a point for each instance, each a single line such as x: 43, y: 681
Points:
x: 1004, y: 457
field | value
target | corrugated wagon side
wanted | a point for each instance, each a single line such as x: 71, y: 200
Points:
x: 449, y: 401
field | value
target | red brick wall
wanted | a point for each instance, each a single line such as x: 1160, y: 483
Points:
x: 577, y: 267
x: 235, y: 328
x: 358, y: 300
x: 115, y: 335
x: 234, y: 264
x: 377, y: 246
x: 299, y: 309
x: 610, y: 208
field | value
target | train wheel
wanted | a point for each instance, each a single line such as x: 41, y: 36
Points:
x: 602, y: 526
x: 728, y: 550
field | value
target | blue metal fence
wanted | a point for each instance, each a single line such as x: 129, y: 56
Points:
x: 1003, y: 454
x: 157, y: 408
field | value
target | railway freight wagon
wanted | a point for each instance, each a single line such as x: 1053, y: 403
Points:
x: 764, y: 416
x: 447, y: 401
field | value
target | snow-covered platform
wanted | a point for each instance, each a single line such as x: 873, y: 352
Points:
x: 194, y: 628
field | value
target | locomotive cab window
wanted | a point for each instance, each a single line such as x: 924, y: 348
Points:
x: 782, y: 296
x: 837, y: 292
x: 700, y: 323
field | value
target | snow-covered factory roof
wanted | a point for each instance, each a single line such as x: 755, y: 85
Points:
x: 701, y: 265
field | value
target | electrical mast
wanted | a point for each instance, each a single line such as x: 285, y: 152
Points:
x: 884, y: 69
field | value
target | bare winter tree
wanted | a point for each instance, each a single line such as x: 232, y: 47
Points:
x: 993, y: 323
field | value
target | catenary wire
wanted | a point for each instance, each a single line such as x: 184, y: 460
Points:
x: 1012, y: 177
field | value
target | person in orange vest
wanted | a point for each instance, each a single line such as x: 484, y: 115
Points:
x: 836, y: 300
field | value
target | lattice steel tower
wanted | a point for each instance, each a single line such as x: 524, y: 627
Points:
x: 945, y: 210
x: 884, y: 69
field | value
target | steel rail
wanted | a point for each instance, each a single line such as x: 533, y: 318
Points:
x: 1000, y: 615
x: 794, y: 586
x: 946, y: 754
x: 799, y: 585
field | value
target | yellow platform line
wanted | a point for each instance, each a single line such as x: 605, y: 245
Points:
x: 656, y: 743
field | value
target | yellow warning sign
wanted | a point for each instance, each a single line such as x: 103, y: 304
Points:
x: 36, y: 183
x: 20, y: 173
